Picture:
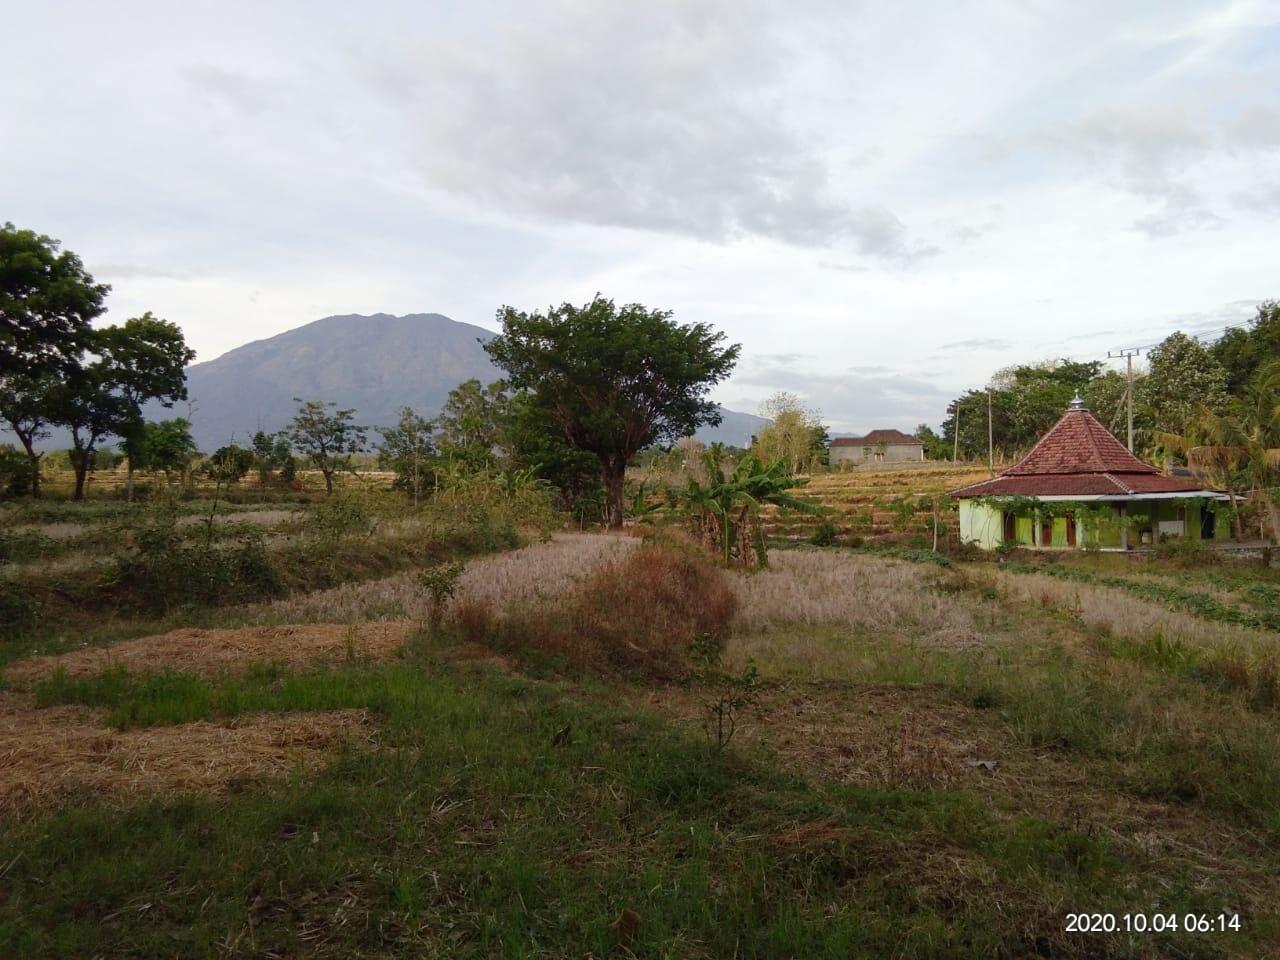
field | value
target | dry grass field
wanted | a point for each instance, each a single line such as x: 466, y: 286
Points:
x: 930, y: 759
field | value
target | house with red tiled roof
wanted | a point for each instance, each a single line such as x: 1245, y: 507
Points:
x: 878, y: 445
x: 1079, y: 486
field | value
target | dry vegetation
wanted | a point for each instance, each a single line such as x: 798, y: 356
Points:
x: 642, y: 613
x: 50, y: 755
x: 545, y: 569
x: 887, y: 505
x: 209, y: 653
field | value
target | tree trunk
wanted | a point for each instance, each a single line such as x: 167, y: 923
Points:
x: 613, y: 471
x: 128, y: 482
x: 80, y: 463
x: 33, y: 458
x: 328, y: 482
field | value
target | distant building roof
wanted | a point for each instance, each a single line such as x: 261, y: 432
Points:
x: 887, y: 437
x: 1078, y: 457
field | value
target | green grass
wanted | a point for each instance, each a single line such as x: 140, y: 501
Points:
x: 470, y: 832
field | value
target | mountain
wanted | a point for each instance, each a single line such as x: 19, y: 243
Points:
x: 375, y: 364
x: 735, y: 430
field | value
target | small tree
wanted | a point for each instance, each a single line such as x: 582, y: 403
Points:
x: 795, y: 434
x: 271, y: 453
x: 26, y: 403
x: 148, y: 358
x: 613, y: 380
x: 168, y: 446
x: 407, y: 449
x: 229, y: 464
x: 470, y: 422
x: 327, y: 437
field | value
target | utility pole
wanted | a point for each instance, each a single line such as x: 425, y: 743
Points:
x: 955, y: 449
x: 991, y: 456
x: 1127, y: 354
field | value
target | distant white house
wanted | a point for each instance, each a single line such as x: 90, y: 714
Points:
x: 878, y: 445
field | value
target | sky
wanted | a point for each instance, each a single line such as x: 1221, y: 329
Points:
x: 883, y: 203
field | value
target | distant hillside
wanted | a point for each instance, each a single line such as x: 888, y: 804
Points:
x: 375, y: 364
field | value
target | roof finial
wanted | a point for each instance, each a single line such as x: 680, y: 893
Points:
x: 1077, y: 403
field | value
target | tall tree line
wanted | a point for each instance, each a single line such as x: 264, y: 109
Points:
x: 1183, y: 379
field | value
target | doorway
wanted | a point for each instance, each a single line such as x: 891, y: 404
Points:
x: 1071, y: 530
x: 1208, y: 522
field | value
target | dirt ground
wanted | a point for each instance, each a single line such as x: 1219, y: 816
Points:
x: 56, y: 753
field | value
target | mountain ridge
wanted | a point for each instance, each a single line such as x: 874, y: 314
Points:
x: 374, y: 363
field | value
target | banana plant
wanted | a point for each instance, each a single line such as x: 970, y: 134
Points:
x: 725, y: 510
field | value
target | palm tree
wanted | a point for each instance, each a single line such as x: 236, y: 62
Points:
x: 725, y: 511
x: 1243, y: 446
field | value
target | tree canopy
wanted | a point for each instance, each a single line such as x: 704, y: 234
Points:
x: 613, y: 380
x: 47, y: 304
x: 326, y: 436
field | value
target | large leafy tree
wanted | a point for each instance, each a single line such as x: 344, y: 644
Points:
x: 612, y: 379
x: 148, y: 359
x: 1182, y: 376
x: 91, y: 407
x: 1025, y: 401
x: 47, y: 304
x: 469, y: 424
x: 326, y: 436
x: 1243, y: 351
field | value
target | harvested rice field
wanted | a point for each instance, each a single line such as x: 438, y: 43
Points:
x: 923, y: 759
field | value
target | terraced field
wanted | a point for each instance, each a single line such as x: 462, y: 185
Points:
x: 892, y: 505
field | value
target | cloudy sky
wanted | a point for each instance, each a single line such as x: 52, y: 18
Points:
x: 883, y: 203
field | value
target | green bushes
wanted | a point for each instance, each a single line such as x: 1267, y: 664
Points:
x: 164, y: 570
x: 15, y: 472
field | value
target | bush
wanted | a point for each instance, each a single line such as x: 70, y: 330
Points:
x: 1184, y: 552
x: 15, y: 472
x: 824, y: 534
x: 165, y: 570
x: 641, y: 614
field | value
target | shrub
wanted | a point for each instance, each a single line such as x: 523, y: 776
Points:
x: 15, y: 472
x: 643, y: 614
x: 165, y: 570
x: 824, y: 534
x: 1183, y: 551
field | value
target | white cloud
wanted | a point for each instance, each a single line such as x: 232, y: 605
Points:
x: 890, y: 201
